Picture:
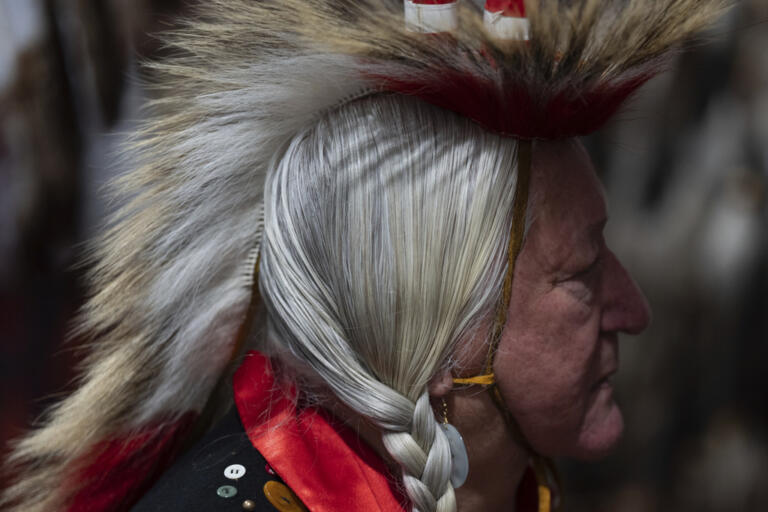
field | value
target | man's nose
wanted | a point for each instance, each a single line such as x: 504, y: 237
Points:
x: 625, y: 307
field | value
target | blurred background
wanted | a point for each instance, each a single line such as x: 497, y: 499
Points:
x: 686, y: 171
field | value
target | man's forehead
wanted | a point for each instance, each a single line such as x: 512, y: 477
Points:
x: 568, y: 204
x: 565, y: 187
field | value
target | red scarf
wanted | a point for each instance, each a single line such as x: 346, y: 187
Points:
x: 325, y: 463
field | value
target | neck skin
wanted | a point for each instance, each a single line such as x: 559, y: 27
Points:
x: 496, y: 461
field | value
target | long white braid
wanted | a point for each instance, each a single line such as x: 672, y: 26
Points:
x: 425, y: 456
x: 386, y: 227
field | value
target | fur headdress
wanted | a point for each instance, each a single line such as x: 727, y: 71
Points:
x: 172, y: 277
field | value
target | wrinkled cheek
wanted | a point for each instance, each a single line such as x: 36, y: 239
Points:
x: 546, y: 379
x: 549, y: 413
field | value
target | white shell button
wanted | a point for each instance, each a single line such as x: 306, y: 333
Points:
x: 234, y: 471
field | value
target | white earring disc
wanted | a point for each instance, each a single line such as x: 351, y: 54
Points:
x: 459, y: 458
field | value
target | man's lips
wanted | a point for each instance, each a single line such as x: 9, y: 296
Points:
x: 606, y: 379
x: 608, y: 363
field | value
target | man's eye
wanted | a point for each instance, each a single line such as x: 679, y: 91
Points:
x: 584, y: 273
x: 588, y: 271
x: 582, y: 283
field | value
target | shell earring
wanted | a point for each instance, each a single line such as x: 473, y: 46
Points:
x: 459, y: 458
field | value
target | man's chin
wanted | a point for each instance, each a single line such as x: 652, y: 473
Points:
x: 600, y: 435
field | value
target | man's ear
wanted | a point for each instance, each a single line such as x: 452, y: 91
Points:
x: 441, y: 384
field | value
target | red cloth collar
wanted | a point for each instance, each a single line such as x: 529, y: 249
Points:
x: 325, y: 463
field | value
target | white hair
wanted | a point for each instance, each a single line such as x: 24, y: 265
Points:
x: 386, y: 227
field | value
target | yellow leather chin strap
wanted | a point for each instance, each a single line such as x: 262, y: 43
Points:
x: 543, y: 468
x: 519, y: 207
x: 482, y: 380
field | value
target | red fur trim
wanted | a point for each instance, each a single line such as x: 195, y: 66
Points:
x: 118, y: 471
x: 517, y: 111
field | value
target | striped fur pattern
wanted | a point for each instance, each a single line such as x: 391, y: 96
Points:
x: 172, y: 274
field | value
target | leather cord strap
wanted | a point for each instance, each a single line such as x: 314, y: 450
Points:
x: 519, y: 208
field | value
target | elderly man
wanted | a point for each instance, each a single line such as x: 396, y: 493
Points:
x: 394, y: 215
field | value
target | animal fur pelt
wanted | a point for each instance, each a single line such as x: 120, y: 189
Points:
x: 173, y: 276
